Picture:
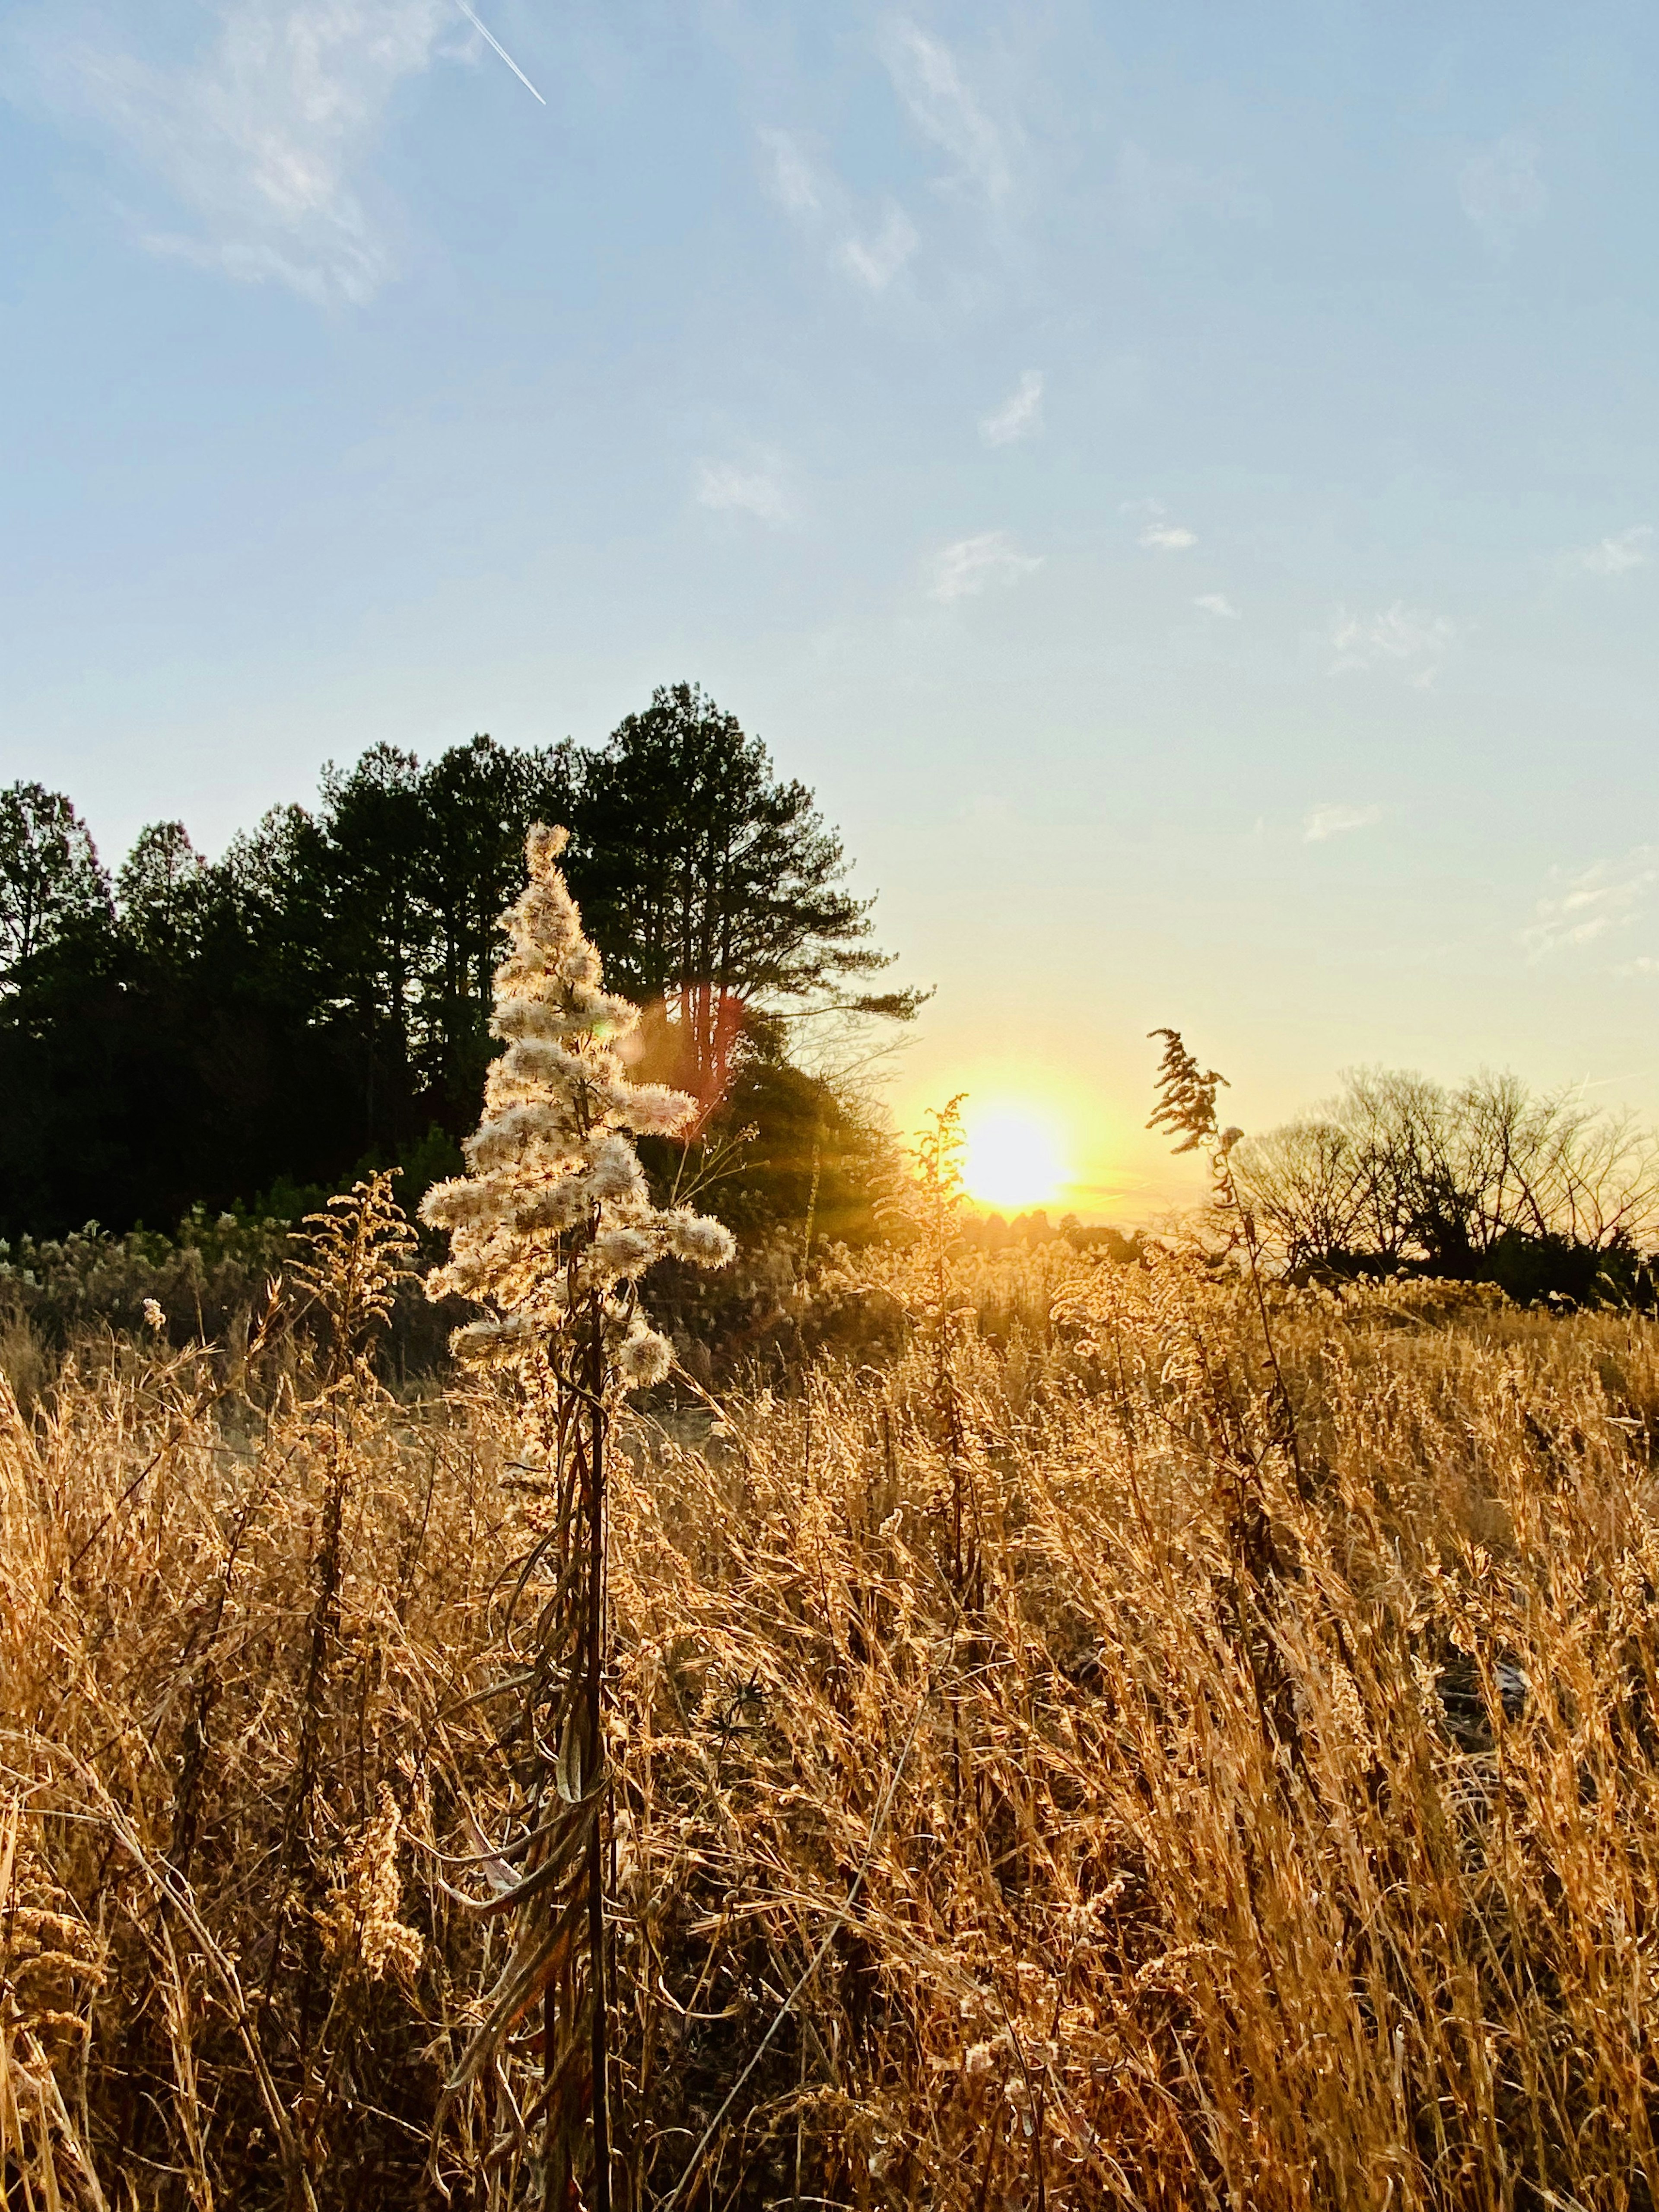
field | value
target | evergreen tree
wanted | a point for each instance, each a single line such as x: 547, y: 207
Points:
x: 479, y: 801
x: 317, y: 1002
x: 53, y: 889
x: 713, y: 889
x: 162, y: 892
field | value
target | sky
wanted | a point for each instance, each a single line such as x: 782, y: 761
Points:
x: 1180, y: 482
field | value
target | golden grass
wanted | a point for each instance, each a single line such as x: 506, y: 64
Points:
x: 1077, y: 1866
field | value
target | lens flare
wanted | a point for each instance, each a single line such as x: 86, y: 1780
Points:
x: 1013, y: 1158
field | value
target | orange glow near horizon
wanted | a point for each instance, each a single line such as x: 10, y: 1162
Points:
x: 1014, y: 1158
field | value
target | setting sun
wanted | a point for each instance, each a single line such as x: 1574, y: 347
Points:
x: 1013, y: 1158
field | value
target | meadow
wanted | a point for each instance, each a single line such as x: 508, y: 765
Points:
x: 1064, y: 1757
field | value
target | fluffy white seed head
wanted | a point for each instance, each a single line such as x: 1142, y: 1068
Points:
x: 556, y: 1205
x: 644, y: 1359
x: 467, y: 1202
x: 616, y: 1254
x: 653, y: 1111
x: 544, y: 846
x: 555, y: 1219
x: 499, y: 1338
x: 518, y: 1132
x: 613, y: 1176
x: 695, y: 1238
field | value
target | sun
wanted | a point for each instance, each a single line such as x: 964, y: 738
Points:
x: 1013, y: 1156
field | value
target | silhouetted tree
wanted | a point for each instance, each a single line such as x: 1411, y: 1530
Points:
x: 162, y: 893
x: 53, y: 890
x: 715, y: 889
x: 1486, y: 1181
x: 479, y: 800
x: 316, y: 1003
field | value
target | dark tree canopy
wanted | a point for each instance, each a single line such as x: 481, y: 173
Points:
x: 52, y: 888
x: 163, y: 891
x: 711, y: 884
x: 318, y: 999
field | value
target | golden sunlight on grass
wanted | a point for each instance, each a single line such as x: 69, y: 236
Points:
x: 1014, y: 1156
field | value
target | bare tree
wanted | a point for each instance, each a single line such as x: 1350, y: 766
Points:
x: 1400, y: 1171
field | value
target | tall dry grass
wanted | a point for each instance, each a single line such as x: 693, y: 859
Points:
x: 1084, y: 1863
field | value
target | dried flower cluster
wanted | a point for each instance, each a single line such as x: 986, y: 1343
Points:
x: 51, y: 1959
x: 360, y: 1926
x: 555, y: 1218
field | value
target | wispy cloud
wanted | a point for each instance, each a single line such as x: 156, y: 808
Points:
x: 1598, y: 902
x: 1399, y: 635
x: 1020, y: 415
x: 1218, y: 603
x: 811, y: 192
x: 876, y: 261
x: 1500, y: 190
x: 265, y: 143
x: 729, y: 488
x: 1324, y: 822
x: 1157, y: 533
x: 930, y: 84
x: 974, y: 565
x: 794, y: 183
x: 1614, y: 557
x: 1153, y: 195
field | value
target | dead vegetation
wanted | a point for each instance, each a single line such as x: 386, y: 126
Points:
x: 1001, y: 1821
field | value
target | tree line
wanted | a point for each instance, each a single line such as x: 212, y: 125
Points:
x: 1487, y: 1180
x: 243, y: 1029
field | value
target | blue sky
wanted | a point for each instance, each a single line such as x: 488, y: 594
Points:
x: 1180, y: 482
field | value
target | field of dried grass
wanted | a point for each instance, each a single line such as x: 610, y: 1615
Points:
x: 1035, y: 1785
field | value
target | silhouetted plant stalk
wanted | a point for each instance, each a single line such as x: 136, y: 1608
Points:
x: 359, y: 1253
x: 1186, y: 1109
x: 939, y: 1196
x: 550, y: 1232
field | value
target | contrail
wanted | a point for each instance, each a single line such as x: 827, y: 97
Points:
x: 500, y: 48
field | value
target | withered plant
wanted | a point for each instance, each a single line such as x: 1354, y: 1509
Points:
x: 551, y: 1231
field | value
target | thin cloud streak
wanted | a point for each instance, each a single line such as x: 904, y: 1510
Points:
x: 973, y: 565
x: 815, y: 199
x: 878, y: 261
x: 1327, y: 821
x: 728, y: 488
x: 793, y: 184
x: 928, y: 81
x: 264, y: 142
x: 1020, y: 415
x: 1160, y: 535
x: 1398, y: 635
x: 1611, y: 896
x: 490, y: 38
x: 1615, y: 555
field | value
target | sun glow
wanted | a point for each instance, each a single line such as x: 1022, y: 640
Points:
x: 1013, y: 1156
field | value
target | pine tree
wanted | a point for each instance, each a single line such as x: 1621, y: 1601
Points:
x: 53, y: 889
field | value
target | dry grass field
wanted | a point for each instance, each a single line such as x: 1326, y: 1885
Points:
x: 1035, y: 1785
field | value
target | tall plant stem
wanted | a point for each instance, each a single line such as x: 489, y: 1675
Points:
x: 1281, y: 1389
x: 596, y: 1642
